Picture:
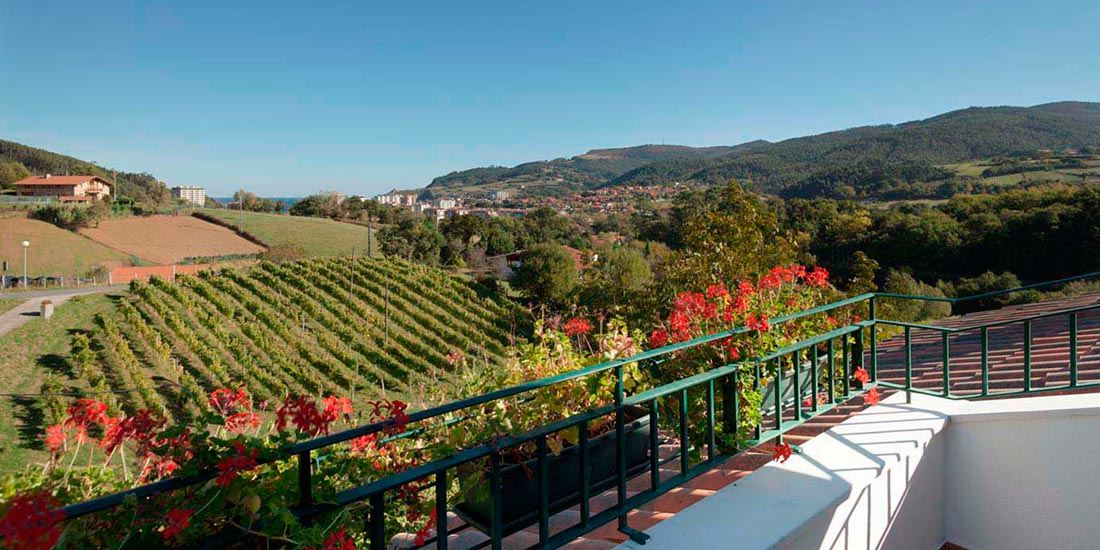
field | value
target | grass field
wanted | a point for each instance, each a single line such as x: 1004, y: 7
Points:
x: 27, y: 355
x: 318, y: 237
x: 53, y: 251
x: 169, y: 239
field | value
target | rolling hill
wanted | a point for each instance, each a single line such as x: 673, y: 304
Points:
x: 863, y: 162
x: 583, y: 171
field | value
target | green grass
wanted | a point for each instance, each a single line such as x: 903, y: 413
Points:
x: 6, y: 304
x: 53, y: 251
x: 27, y: 355
x: 318, y: 237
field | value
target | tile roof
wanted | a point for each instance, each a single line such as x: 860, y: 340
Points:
x: 58, y: 180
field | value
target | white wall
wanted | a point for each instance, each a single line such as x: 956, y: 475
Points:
x: 1024, y: 475
x: 994, y: 475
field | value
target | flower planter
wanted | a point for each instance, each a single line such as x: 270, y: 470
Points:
x: 520, y: 484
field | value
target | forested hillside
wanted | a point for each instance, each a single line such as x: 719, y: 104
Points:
x: 588, y: 170
x: 870, y: 156
x: 140, y: 187
x: 362, y: 328
x: 888, y: 161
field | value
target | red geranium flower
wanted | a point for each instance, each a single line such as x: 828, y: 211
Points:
x: 872, y: 397
x: 861, y: 375
x: 228, y: 401
x: 242, y: 422
x: 31, y: 521
x: 781, y: 453
x: 757, y: 323
x: 231, y: 466
x: 55, y: 437
x: 178, y: 520
x: 339, y: 541
x: 577, y: 325
x: 658, y: 338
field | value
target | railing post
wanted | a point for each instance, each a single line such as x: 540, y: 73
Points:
x: 873, y: 371
x: 684, y: 443
x: 946, y: 365
x: 813, y: 377
x: 758, y: 387
x: 1073, y: 350
x: 305, y: 483
x: 441, y: 526
x: 985, y: 361
x: 711, y: 447
x: 654, y: 445
x: 495, y: 491
x: 586, y: 482
x: 620, y: 448
x: 797, y: 389
x: 779, y: 394
x: 1027, y: 356
x: 846, y: 360
x: 832, y: 371
x: 544, y: 493
x: 376, y: 523
x: 729, y: 395
x: 908, y: 364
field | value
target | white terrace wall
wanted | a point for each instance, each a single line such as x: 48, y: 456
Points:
x: 1010, y: 474
x: 1024, y: 474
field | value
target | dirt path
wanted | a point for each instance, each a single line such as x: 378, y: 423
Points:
x: 23, y: 313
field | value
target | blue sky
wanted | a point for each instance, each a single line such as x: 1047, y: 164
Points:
x: 286, y: 98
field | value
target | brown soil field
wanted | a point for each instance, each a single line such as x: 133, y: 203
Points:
x: 169, y: 239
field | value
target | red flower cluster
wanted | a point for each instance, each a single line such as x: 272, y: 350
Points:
x: 577, y: 325
x: 142, y: 426
x: 83, y: 414
x: 55, y: 437
x: 307, y: 418
x: 31, y: 521
x: 658, y: 338
x: 178, y: 520
x: 340, y: 540
x: 230, y: 467
x: 861, y: 376
x: 425, y: 533
x: 872, y: 397
x: 781, y: 453
x: 226, y: 401
x: 758, y: 323
x: 394, y: 411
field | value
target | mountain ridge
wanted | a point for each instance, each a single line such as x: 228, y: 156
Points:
x: 907, y: 152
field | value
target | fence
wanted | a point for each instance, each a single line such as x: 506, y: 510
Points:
x: 782, y: 409
x: 123, y: 275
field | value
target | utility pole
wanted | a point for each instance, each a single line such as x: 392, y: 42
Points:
x: 26, y: 283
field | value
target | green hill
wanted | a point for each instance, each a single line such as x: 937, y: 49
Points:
x: 583, y: 171
x: 316, y: 237
x: 888, y: 161
x: 362, y: 328
x: 140, y: 187
x: 871, y: 159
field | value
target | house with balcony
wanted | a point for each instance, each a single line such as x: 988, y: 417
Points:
x: 64, y: 188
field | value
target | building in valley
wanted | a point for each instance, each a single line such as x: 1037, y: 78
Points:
x: 193, y: 195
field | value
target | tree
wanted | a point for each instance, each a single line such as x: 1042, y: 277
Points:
x: 413, y: 238
x: 11, y: 172
x: 618, y: 283
x: 547, y: 274
x: 863, y: 274
x: 738, y: 239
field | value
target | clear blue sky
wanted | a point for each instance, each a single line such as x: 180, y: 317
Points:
x: 286, y: 98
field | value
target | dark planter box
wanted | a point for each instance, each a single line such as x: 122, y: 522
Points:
x: 520, y: 484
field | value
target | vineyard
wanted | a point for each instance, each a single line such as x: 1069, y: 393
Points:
x: 364, y: 328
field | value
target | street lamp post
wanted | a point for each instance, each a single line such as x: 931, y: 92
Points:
x: 26, y: 283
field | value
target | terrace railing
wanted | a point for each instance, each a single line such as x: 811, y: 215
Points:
x: 828, y: 359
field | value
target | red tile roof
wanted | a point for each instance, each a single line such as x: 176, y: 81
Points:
x: 59, y: 180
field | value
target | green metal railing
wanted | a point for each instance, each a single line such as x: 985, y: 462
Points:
x: 816, y: 357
